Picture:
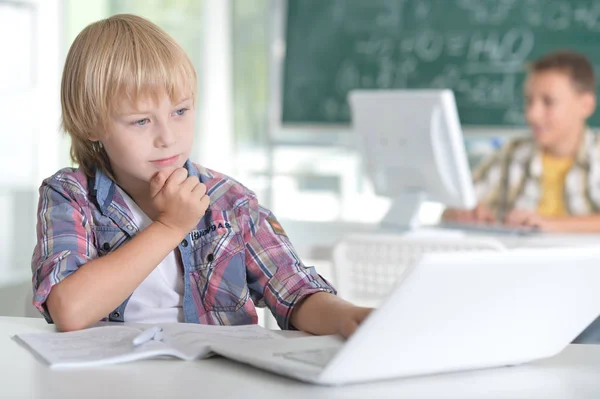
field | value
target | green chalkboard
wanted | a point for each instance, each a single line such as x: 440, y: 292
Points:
x: 478, y: 48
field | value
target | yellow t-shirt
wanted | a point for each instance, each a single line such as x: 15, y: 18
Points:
x: 554, y: 172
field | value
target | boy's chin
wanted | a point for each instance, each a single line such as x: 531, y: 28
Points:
x: 545, y: 144
x: 540, y: 137
x: 541, y: 140
x: 549, y: 143
x: 167, y: 171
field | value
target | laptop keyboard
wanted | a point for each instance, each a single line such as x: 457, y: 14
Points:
x: 314, y: 357
x: 490, y: 228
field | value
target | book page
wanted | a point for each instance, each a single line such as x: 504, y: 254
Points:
x: 114, y: 344
x: 92, y: 347
x: 195, y: 340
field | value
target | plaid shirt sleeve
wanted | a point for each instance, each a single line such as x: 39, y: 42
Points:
x: 491, y: 178
x: 276, y: 276
x: 487, y: 179
x: 64, y: 241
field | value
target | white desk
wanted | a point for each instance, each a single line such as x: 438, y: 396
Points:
x: 573, y: 374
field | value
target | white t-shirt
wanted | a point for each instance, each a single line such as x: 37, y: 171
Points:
x: 159, y: 298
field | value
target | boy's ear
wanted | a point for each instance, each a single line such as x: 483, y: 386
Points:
x: 588, y: 101
x: 93, y: 136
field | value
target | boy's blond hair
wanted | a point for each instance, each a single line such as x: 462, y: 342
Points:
x: 124, y: 57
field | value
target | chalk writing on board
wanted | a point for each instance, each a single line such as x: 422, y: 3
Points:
x: 478, y: 48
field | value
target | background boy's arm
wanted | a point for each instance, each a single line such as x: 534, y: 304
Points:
x: 566, y: 224
x: 481, y: 214
x: 488, y: 186
x: 573, y: 224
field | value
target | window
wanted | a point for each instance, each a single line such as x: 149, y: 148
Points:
x: 250, y: 35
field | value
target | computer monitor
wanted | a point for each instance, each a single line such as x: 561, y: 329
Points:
x: 413, y: 150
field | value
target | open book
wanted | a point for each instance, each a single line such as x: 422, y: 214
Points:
x: 117, y: 344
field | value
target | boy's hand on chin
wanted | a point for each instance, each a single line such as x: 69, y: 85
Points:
x: 180, y: 200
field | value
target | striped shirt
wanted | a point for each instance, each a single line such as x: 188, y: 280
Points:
x: 236, y: 258
x: 512, y: 178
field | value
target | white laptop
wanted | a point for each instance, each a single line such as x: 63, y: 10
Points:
x: 453, y: 312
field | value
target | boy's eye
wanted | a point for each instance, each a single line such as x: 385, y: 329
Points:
x: 181, y: 111
x: 141, y: 122
x: 548, y: 102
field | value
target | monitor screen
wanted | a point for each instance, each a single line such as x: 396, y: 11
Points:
x: 413, y: 149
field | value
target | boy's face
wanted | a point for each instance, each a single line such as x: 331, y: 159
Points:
x: 554, y: 108
x: 149, y: 136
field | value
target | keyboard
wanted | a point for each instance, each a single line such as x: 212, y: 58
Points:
x: 490, y: 228
x: 315, y: 357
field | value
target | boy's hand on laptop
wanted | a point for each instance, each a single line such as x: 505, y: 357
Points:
x: 480, y: 214
x: 323, y: 313
x: 180, y: 200
x: 351, y: 318
x: 524, y: 218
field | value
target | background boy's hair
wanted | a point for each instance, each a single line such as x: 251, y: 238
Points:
x: 576, y: 65
x: 124, y: 57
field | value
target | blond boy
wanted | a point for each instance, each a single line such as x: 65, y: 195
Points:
x: 138, y: 232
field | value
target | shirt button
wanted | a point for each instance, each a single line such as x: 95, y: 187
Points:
x: 116, y: 315
x: 129, y: 227
x: 184, y: 243
x: 210, y: 257
x: 106, y: 246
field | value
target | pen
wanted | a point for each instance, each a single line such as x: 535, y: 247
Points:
x: 151, y: 333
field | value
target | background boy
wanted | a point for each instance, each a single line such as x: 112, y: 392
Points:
x: 550, y: 180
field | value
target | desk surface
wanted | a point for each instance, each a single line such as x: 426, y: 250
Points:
x: 573, y: 374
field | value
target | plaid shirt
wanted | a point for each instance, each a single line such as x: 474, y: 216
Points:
x: 237, y: 256
x: 512, y: 178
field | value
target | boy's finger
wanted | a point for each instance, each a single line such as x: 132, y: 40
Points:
x: 177, y: 177
x: 348, y: 328
x: 200, y: 188
x: 362, y: 314
x: 156, y: 183
x: 190, y: 183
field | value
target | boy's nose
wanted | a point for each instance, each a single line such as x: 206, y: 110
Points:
x: 165, y: 137
x: 533, y: 113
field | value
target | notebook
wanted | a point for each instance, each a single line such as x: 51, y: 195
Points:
x: 111, y: 344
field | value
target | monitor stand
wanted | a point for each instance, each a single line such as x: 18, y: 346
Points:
x: 404, y: 212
